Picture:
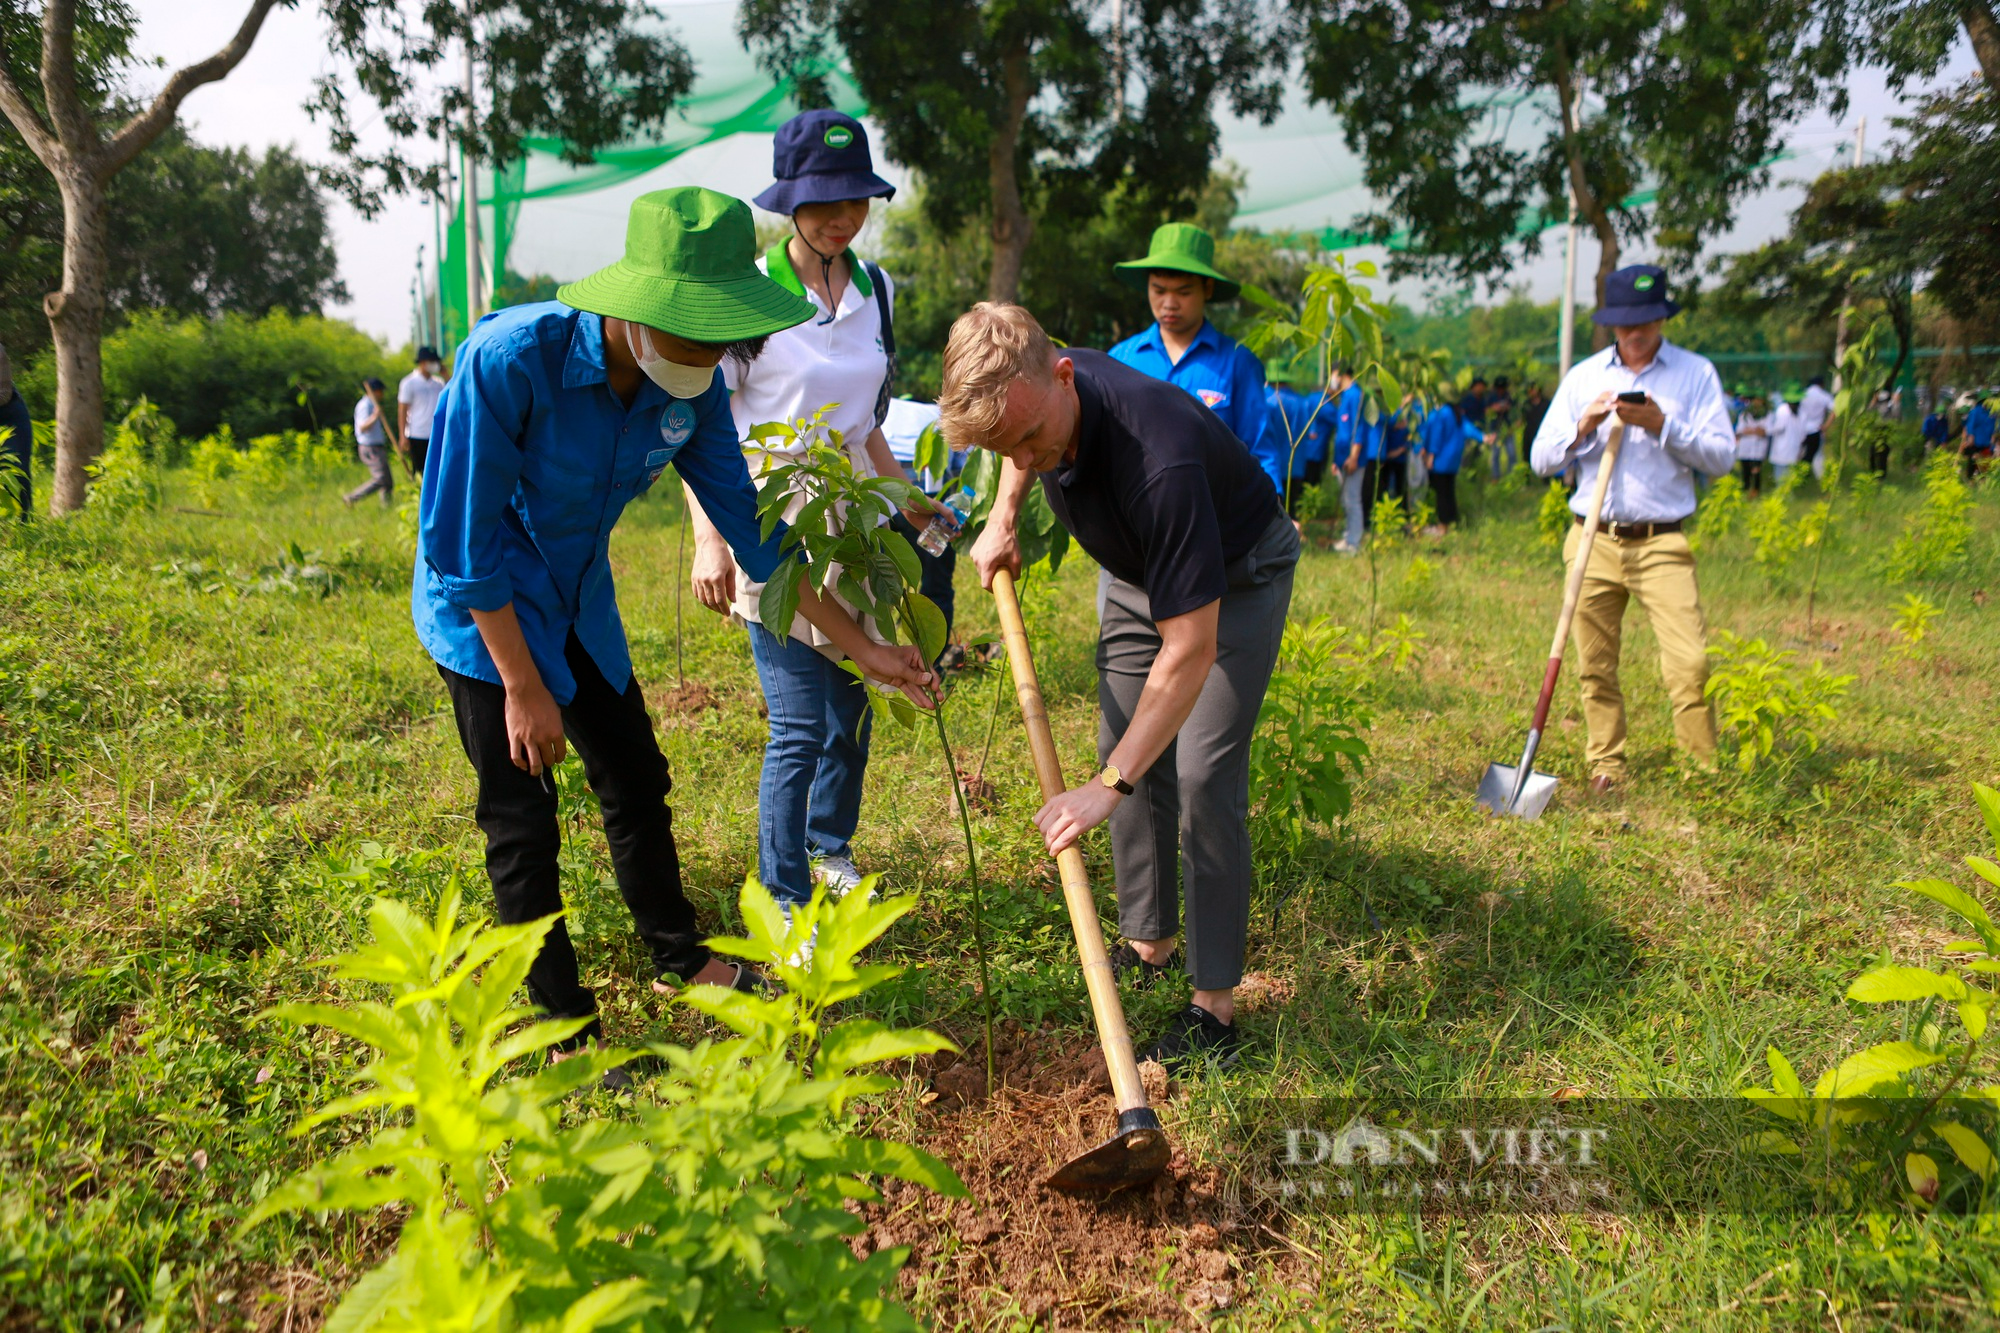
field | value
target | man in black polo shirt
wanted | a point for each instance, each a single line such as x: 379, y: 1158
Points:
x: 1197, y: 561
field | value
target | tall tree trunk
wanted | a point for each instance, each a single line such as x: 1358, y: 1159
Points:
x: 76, y: 319
x: 1984, y: 32
x: 1588, y: 203
x: 1011, y: 224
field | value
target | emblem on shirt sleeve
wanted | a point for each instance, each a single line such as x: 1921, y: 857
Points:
x: 1212, y: 398
x: 677, y: 423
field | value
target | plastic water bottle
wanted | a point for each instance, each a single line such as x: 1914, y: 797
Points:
x: 938, y: 534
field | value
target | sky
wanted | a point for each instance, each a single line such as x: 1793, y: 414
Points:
x: 261, y: 103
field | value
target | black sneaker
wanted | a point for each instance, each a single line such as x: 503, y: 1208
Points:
x: 1128, y: 967
x: 1193, y: 1035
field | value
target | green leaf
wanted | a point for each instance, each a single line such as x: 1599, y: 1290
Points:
x: 1885, y: 985
x: 898, y: 549
x: 1972, y: 1013
x: 930, y: 625
x: 1966, y: 1146
x: 1958, y: 900
x: 1922, y: 1172
x: 1864, y: 1071
x: 863, y: 1041
x: 612, y: 1303
x: 778, y: 603
x: 1784, y: 1078
x: 1989, y: 809
x: 881, y: 1158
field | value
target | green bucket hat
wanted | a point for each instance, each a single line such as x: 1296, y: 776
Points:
x: 690, y: 269
x: 1182, y: 248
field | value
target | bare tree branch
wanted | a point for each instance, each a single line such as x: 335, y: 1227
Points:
x: 28, y: 123
x: 143, y: 128
x: 65, y: 109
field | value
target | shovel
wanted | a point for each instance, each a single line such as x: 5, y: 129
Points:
x: 1139, y: 1150
x: 1519, y: 790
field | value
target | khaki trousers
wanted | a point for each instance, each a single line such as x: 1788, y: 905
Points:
x: 1659, y: 571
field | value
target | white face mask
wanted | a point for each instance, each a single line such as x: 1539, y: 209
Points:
x: 431, y: 368
x: 679, y: 380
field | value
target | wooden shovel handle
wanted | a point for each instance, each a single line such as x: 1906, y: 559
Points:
x: 1573, y: 585
x: 1105, y: 1008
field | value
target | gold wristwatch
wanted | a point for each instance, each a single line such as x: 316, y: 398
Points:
x: 1111, y: 778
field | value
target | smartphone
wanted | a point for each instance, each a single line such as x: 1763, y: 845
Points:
x: 1635, y: 396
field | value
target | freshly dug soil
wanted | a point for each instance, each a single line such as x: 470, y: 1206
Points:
x: 685, y: 700
x: 1070, y: 1263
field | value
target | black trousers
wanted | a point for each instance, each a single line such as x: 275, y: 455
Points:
x: 623, y: 764
x: 20, y: 447
x: 413, y: 454
x: 1810, y: 449
x: 1444, y: 485
x: 1878, y: 459
x: 1752, y: 470
x: 1385, y: 477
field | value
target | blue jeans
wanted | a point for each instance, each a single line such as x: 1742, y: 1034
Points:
x: 809, y: 798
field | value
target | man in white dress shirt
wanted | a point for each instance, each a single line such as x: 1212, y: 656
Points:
x: 1676, y: 424
x: 1815, y: 411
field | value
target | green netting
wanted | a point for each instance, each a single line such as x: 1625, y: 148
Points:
x: 731, y: 97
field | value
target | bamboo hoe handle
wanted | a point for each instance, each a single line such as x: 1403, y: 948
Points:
x: 1573, y: 585
x: 1105, y: 1008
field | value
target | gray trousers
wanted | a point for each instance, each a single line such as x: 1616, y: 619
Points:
x: 1185, y: 830
x: 1354, y: 504
x: 380, y: 478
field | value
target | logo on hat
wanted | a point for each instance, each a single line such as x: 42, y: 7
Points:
x: 837, y: 136
x: 677, y: 426
x: 1643, y: 283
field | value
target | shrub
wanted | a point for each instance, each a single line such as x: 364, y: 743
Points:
x: 1721, y: 508
x: 1913, y: 622
x: 717, y: 1203
x: 1553, y: 519
x: 1760, y: 694
x: 1937, y: 535
x: 1918, y: 1110
x: 256, y: 376
x: 1778, y: 540
x: 1308, y: 752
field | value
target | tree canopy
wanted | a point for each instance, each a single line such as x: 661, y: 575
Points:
x: 1018, y: 110
x: 1686, y: 101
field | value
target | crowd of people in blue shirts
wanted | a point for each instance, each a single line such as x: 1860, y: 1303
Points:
x: 1302, y: 425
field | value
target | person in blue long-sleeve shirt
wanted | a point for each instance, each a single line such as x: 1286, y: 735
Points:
x: 1296, y: 428
x: 1182, y: 347
x: 558, y: 416
x: 1446, y: 433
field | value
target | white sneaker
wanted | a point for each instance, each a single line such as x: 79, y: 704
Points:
x: 838, y: 874
x: 803, y: 955
x: 1345, y: 547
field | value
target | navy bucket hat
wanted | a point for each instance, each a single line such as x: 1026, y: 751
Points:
x: 821, y: 157
x: 1636, y: 295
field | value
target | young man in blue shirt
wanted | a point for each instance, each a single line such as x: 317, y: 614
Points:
x: 1183, y: 347
x: 1445, y: 435
x: 1349, y: 442
x: 560, y: 414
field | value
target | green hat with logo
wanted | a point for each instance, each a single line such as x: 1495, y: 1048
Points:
x: 690, y: 269
x: 1794, y: 391
x: 1179, y: 247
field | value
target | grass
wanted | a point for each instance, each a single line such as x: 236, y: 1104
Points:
x: 202, y: 788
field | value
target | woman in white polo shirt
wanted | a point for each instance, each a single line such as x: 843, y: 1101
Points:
x: 809, y: 799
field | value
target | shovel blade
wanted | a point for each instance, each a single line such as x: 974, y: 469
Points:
x: 1136, y: 1154
x: 1498, y: 785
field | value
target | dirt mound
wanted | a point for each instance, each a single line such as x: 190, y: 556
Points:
x: 1170, y: 1252
x: 685, y: 700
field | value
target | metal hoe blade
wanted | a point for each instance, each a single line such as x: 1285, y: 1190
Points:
x: 1497, y: 787
x: 1137, y: 1153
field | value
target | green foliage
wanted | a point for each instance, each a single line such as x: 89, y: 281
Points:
x: 1043, y: 538
x: 236, y: 371
x: 1778, y: 540
x: 1308, y: 750
x: 1913, y: 622
x: 123, y: 480
x: 1692, y: 108
x: 1908, y: 1109
x: 11, y: 474
x: 940, y: 90
x: 719, y: 1200
x: 294, y: 570
x: 1762, y: 698
x: 1935, y: 539
x: 1553, y: 518
x: 1721, y: 508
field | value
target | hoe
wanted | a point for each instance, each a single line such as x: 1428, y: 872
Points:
x: 1139, y: 1150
